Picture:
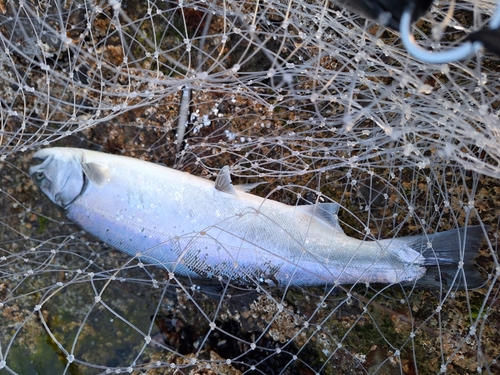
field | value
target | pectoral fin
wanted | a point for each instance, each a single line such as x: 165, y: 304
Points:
x: 96, y: 172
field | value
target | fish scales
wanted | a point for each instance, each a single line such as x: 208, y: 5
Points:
x: 204, y: 230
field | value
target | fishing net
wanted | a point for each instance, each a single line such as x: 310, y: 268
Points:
x: 319, y: 104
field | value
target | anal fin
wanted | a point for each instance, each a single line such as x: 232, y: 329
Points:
x: 327, y: 212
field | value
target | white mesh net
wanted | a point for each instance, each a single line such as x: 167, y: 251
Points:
x: 318, y: 103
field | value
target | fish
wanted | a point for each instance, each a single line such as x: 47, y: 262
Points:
x: 488, y: 37
x: 200, y: 229
x: 387, y: 12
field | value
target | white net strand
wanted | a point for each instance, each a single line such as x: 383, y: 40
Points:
x: 318, y: 104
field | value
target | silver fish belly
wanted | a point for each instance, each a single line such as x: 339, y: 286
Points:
x: 204, y: 230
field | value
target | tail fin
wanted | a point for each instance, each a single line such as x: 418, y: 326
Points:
x: 449, y: 250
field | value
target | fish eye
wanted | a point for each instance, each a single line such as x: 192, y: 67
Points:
x: 39, y: 176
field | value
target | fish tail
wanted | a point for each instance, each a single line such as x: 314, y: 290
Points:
x: 449, y: 257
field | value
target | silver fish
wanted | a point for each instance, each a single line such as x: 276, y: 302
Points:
x: 199, y: 229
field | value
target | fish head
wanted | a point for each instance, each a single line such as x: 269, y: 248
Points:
x: 60, y: 174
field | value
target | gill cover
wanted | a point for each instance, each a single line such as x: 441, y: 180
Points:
x: 60, y: 175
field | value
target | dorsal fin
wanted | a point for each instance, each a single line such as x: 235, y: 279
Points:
x: 96, y: 172
x: 247, y: 187
x: 326, y: 212
x: 223, y: 181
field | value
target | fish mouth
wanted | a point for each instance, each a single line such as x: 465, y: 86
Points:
x: 42, y: 155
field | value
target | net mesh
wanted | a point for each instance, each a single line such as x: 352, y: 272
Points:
x: 319, y: 104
